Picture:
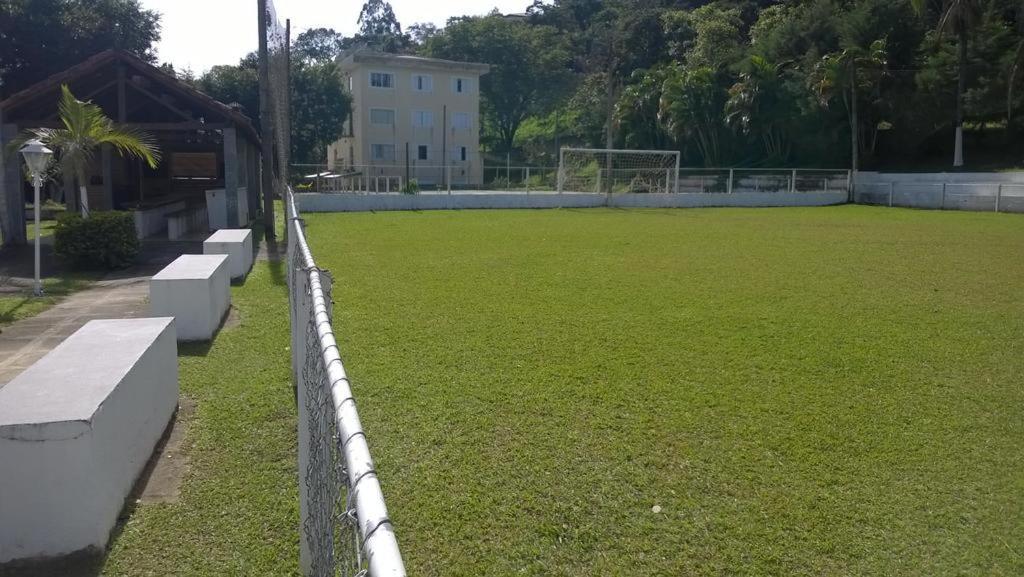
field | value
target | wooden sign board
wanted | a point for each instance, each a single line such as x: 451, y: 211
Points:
x: 194, y: 164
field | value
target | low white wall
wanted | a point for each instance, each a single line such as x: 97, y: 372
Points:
x: 76, y: 429
x: 195, y: 289
x: 318, y: 202
x: 975, y: 191
x: 152, y: 221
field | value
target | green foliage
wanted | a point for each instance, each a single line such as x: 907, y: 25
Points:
x: 106, y: 240
x: 379, y: 26
x: 39, y: 38
x: 86, y: 129
x: 319, y: 103
x: 691, y: 107
x: 528, y: 68
x: 411, y: 187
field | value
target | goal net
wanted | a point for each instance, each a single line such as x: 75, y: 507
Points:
x: 616, y: 171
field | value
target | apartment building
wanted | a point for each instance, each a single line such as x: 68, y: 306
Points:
x: 412, y: 117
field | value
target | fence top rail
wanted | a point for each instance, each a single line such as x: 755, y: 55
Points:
x: 375, y: 529
x: 617, y: 151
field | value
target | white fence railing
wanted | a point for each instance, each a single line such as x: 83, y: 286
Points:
x: 392, y: 179
x: 975, y: 196
x: 345, y: 529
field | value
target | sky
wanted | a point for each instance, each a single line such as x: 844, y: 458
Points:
x: 198, y: 34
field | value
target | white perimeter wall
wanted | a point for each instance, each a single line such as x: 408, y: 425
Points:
x: 345, y: 202
x: 978, y: 191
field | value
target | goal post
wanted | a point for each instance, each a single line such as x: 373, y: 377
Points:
x: 607, y: 171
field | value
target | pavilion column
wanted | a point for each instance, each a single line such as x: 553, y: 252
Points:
x: 231, y: 175
x: 108, y: 176
x: 12, y: 198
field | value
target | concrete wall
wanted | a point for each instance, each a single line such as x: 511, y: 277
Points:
x: 976, y: 191
x: 316, y: 202
x: 76, y: 429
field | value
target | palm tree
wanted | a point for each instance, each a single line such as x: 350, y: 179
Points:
x: 958, y: 16
x: 86, y: 128
x: 758, y: 106
x: 844, y: 73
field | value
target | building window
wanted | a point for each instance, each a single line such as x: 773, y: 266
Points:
x: 382, y: 80
x: 422, y: 83
x: 423, y: 152
x: 422, y: 118
x: 460, y: 121
x: 382, y: 116
x: 382, y: 152
x: 460, y: 85
x: 460, y: 154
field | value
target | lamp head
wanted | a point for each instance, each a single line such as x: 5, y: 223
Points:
x: 37, y: 156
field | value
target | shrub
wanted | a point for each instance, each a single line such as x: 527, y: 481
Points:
x: 106, y: 240
x: 411, y: 187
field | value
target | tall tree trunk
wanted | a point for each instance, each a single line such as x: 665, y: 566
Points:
x: 609, y: 135
x: 961, y: 87
x: 854, y: 129
x: 83, y: 196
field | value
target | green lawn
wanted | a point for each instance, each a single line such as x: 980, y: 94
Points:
x: 825, y: 391
x: 834, y: 391
x: 21, y: 304
x: 239, y: 509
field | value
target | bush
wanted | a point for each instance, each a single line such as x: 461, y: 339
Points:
x: 106, y: 240
x: 411, y: 187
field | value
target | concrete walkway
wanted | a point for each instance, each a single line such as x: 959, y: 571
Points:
x: 121, y: 294
x: 26, y: 341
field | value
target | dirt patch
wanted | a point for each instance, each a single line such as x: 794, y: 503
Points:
x: 232, y: 320
x: 161, y: 481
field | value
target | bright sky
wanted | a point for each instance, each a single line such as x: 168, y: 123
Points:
x: 198, y: 34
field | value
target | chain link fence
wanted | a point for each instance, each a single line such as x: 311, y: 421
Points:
x: 345, y: 529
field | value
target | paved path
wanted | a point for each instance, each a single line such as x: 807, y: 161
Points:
x: 26, y: 341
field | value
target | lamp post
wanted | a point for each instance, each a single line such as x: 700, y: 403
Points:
x: 37, y: 156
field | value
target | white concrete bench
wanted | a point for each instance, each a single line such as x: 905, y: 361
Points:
x: 76, y: 429
x: 237, y: 244
x: 195, y: 289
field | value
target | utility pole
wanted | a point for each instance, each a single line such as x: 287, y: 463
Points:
x: 266, y: 127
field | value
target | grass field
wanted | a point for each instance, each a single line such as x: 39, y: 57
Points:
x: 829, y: 391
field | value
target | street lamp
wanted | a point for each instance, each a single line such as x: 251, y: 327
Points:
x: 37, y: 156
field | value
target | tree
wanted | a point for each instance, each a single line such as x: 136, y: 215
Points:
x: 691, y: 108
x: 636, y: 112
x: 759, y: 106
x: 421, y: 32
x: 318, y: 45
x: 847, y: 74
x: 379, y: 26
x: 233, y: 84
x: 957, y: 16
x: 39, y: 38
x: 86, y: 128
x: 319, y: 107
x: 528, y: 73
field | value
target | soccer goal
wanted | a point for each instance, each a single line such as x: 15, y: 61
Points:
x: 614, y: 171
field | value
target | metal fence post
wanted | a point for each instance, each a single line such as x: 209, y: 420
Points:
x: 891, y: 186
x: 999, y: 195
x: 527, y: 180
x: 449, y: 179
x: 942, y: 206
x: 792, y: 182
x: 729, y: 185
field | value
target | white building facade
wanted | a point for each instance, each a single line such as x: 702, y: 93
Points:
x: 412, y: 118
